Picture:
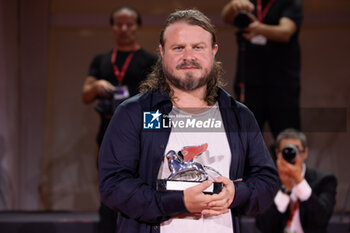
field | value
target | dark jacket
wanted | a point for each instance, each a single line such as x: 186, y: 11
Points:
x: 315, y: 212
x: 130, y: 158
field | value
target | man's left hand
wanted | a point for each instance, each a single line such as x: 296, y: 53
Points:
x: 221, y: 202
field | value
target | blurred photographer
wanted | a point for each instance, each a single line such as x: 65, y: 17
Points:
x: 269, y: 59
x: 115, y: 76
x: 306, y: 198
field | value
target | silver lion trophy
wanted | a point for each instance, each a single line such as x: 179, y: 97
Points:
x: 186, y: 173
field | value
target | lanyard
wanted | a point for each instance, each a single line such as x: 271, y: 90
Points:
x: 120, y: 74
x: 292, y: 213
x: 262, y: 13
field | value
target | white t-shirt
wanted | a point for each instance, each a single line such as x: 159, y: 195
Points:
x: 217, y: 156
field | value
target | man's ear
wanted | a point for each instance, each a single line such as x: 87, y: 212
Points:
x: 215, y: 49
x: 161, y: 50
x: 306, y: 153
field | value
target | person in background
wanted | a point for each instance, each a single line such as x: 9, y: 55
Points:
x: 306, y: 197
x: 185, y: 80
x: 269, y: 59
x: 115, y: 76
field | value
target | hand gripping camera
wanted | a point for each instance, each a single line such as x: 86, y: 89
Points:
x: 289, y: 153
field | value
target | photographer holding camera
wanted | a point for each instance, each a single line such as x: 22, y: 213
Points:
x: 306, y: 197
x: 269, y: 59
x: 115, y: 76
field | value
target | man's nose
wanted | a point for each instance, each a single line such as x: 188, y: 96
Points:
x: 124, y: 27
x: 188, y: 54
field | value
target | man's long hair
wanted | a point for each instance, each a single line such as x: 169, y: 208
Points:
x: 157, y: 79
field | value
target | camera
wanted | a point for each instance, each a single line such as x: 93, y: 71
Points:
x: 107, y: 106
x: 289, y: 153
x: 242, y: 20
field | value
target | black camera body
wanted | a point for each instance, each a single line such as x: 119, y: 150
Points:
x: 289, y: 153
x: 107, y: 106
x: 242, y: 20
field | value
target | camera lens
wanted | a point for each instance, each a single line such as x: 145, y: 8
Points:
x: 289, y: 153
x: 242, y: 20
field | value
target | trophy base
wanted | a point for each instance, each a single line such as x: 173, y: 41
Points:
x: 178, y: 185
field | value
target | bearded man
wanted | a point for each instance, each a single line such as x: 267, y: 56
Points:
x: 185, y: 87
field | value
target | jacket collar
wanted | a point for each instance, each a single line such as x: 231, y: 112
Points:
x: 161, y: 101
x: 225, y: 99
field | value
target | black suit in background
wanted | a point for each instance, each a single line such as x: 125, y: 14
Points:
x: 315, y: 212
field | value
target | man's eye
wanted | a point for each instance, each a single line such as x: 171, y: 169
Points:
x: 178, y: 48
x: 198, y: 47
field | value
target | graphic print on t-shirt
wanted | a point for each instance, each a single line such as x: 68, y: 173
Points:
x: 182, y: 166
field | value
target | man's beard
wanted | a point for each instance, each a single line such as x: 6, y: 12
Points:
x: 189, y: 83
